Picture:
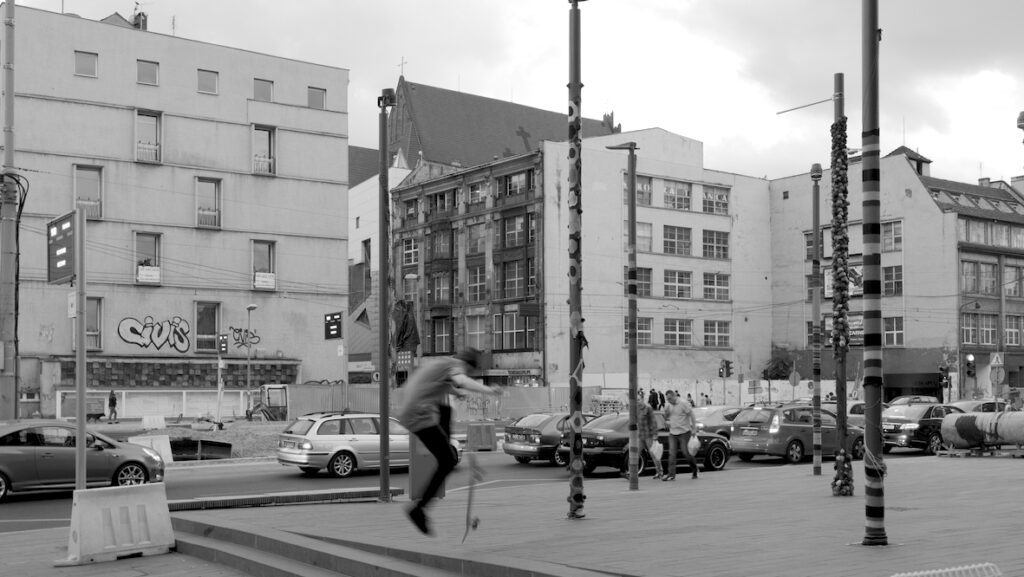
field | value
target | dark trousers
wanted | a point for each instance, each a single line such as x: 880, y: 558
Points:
x: 436, y: 441
x: 678, y: 443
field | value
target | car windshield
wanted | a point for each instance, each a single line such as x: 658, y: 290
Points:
x: 532, y: 421
x: 905, y: 411
x: 609, y: 421
x: 754, y: 416
x: 299, y: 427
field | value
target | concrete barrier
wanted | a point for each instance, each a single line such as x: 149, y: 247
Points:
x: 159, y: 443
x: 153, y: 422
x: 970, y: 430
x: 116, y: 522
x: 481, y: 437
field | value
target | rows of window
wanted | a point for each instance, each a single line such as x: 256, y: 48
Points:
x: 892, y: 333
x: 982, y: 278
x: 511, y: 232
x: 676, y: 195
x: 207, y: 81
x: 678, y: 332
x: 444, y: 202
x: 149, y: 259
x: 982, y: 329
x: 892, y: 283
x: 512, y: 279
x: 678, y: 284
x: 205, y: 327
x: 677, y: 240
x: 509, y: 331
x: 891, y: 239
x: 990, y: 233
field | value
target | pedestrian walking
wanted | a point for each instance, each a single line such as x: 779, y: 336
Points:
x: 707, y: 400
x: 424, y: 414
x: 112, y: 408
x: 681, y: 425
x: 647, y: 429
x: 689, y: 399
x: 652, y: 400
x: 661, y: 400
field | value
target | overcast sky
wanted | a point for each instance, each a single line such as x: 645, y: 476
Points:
x: 717, y: 71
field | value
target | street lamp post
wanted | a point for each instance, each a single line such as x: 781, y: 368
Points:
x: 248, y: 359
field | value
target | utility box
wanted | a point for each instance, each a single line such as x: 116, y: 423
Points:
x: 481, y: 437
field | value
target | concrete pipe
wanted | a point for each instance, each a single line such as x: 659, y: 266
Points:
x: 970, y: 430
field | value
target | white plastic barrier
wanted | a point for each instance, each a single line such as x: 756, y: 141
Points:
x: 159, y: 443
x: 965, y: 431
x: 115, y: 522
x: 153, y: 422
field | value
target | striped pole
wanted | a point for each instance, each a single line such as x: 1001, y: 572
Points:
x: 816, y: 313
x: 874, y: 466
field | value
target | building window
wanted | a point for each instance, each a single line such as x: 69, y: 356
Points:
x: 513, y: 275
x: 147, y: 72
x: 477, y: 236
x: 643, y: 281
x: 513, y: 331
x: 410, y: 284
x: 643, y: 330
x: 716, y: 200
x: 644, y: 186
x: 477, y: 286
x: 531, y: 228
x: 518, y: 183
x: 716, y: 286
x: 716, y: 333
x: 207, y: 81
x: 442, y: 335
x: 93, y: 324
x: 716, y: 244
x: 892, y: 236
x: 207, y: 326
x: 147, y: 258
x: 987, y: 278
x: 644, y: 236
x: 969, y: 328
x: 263, y: 265
x: 476, y: 192
x: 1012, y: 280
x: 147, y: 136
x: 410, y: 251
x: 441, y: 288
x: 441, y: 244
x: 1013, y: 326
x: 476, y: 332
x: 515, y: 231
x: 678, y: 332
x: 968, y: 276
x: 263, y: 150
x: 893, y: 331
x: 678, y: 284
x: 89, y: 190
x: 531, y: 277
x: 676, y: 240
x: 677, y: 195
x: 892, y: 280
x: 987, y: 329
x: 441, y: 202
x: 411, y: 206
x: 316, y: 98
x: 86, y: 64
x: 262, y: 90
x: 208, y: 202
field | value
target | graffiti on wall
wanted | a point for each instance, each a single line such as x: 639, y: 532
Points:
x: 148, y: 333
x: 244, y: 337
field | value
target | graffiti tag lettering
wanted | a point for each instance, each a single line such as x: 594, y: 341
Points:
x: 173, y: 333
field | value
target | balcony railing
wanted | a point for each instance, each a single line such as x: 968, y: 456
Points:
x: 263, y: 165
x: 147, y: 152
x: 208, y: 217
x: 93, y: 207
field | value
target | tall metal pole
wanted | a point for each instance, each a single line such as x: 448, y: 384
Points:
x: 386, y: 100
x: 816, y: 312
x: 9, y: 235
x: 874, y: 466
x: 80, y: 318
x: 634, y: 437
x: 576, y: 338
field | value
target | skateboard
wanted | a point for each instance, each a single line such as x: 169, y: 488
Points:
x: 476, y: 474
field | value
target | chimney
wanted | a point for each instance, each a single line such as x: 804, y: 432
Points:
x: 139, y: 21
x: 1017, y: 182
x: 984, y: 182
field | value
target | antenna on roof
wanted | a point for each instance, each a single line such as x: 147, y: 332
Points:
x: 401, y: 65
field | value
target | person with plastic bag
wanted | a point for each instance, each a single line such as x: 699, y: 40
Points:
x: 647, y: 427
x: 682, y: 425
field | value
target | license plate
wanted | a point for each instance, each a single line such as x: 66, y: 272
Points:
x: 749, y: 432
x: 516, y: 437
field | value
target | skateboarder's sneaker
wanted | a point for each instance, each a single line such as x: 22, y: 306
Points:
x: 418, y: 518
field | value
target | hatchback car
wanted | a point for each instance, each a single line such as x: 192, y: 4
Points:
x: 343, y: 443
x: 915, y: 425
x: 606, y: 444
x: 982, y: 406
x: 38, y: 456
x: 788, y: 432
x: 716, y: 419
x: 535, y: 437
x: 854, y: 410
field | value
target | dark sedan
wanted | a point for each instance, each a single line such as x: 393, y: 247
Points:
x: 535, y: 437
x: 606, y: 444
x: 915, y: 425
x: 36, y: 456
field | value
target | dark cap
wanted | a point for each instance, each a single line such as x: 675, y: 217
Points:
x: 470, y: 356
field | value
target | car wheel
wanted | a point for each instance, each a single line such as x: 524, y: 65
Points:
x: 309, y: 470
x: 522, y: 460
x: 934, y: 444
x: 5, y: 487
x: 794, y: 452
x: 642, y: 463
x: 857, y: 450
x: 130, y: 474
x: 887, y: 449
x: 342, y: 465
x: 560, y: 459
x: 715, y: 458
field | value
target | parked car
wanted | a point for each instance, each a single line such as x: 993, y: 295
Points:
x: 788, y: 432
x: 606, y: 444
x: 343, y: 443
x: 535, y: 437
x: 854, y: 411
x: 908, y: 399
x: 716, y: 419
x: 40, y: 456
x: 917, y: 425
x: 982, y: 406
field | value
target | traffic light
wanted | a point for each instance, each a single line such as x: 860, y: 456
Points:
x: 969, y: 366
x: 222, y: 344
x: 727, y: 365
x: 721, y: 368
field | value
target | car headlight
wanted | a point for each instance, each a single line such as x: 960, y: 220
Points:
x: 535, y: 439
x: 700, y: 426
x: 911, y: 427
x: 152, y: 454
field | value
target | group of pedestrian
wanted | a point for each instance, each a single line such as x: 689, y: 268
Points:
x: 655, y: 399
x: 681, y: 426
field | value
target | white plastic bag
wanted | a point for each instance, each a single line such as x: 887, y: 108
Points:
x: 656, y: 450
x: 693, y: 445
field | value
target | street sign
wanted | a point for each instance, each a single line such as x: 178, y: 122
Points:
x: 794, y: 378
x: 997, y: 375
x: 996, y: 360
x: 60, y: 249
x: 332, y: 326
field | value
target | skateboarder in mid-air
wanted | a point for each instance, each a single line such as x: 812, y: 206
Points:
x: 426, y: 392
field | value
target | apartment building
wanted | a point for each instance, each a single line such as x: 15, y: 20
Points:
x: 214, y: 180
